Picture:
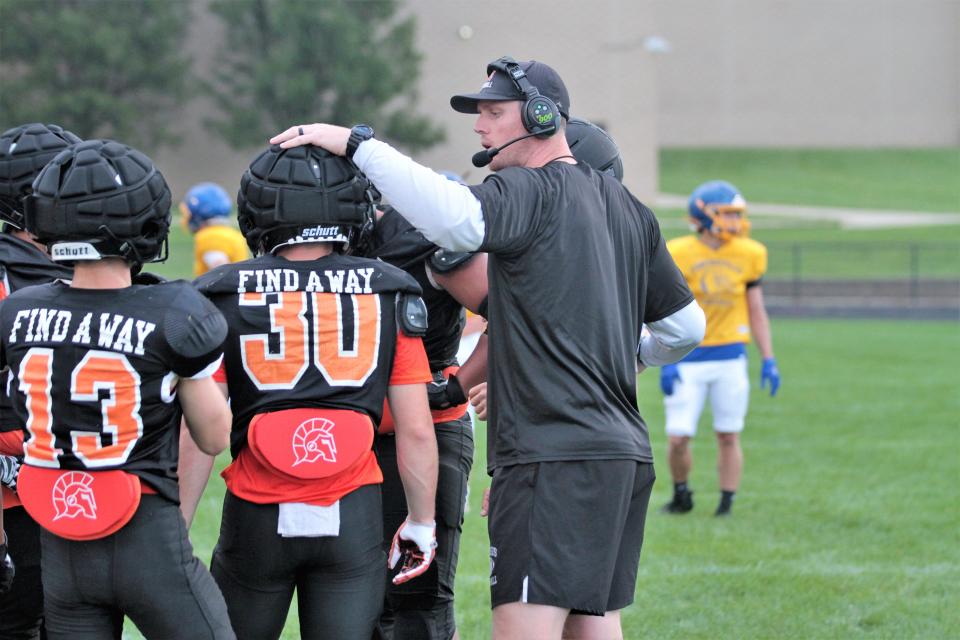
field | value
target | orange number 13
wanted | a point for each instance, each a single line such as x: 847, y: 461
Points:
x: 120, y: 408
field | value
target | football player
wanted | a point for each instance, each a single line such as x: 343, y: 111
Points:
x: 101, y: 370
x: 724, y: 269
x: 424, y: 608
x: 318, y: 339
x: 24, y: 150
x: 206, y: 210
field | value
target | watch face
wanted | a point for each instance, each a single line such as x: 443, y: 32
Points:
x: 365, y: 131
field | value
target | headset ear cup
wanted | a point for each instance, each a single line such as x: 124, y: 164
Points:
x: 541, y: 116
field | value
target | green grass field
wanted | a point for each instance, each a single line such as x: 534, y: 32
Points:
x: 847, y: 524
x: 848, y: 520
x: 904, y: 179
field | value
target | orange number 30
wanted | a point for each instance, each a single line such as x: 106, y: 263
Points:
x: 120, y: 408
x: 341, y: 365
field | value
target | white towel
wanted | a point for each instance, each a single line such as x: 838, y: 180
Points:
x: 300, y: 520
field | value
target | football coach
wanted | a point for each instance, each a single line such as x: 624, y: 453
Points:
x: 577, y: 266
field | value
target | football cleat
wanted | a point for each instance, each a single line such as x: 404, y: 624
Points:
x: 682, y: 503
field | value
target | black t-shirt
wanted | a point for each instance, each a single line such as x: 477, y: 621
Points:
x: 22, y: 265
x: 397, y: 242
x: 313, y: 333
x: 98, y: 369
x: 576, y: 266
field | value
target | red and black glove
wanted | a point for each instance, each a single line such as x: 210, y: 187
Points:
x: 414, y: 547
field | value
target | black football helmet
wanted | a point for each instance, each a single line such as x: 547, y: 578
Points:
x: 304, y: 194
x: 594, y: 147
x: 24, y: 151
x: 100, y: 199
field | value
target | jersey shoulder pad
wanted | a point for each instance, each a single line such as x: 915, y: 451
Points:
x: 388, y: 278
x: 219, y: 280
x: 443, y: 261
x: 192, y: 326
x: 145, y: 277
x: 411, y: 315
x: 752, y: 246
x: 398, y: 242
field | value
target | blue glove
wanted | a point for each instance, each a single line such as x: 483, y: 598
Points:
x: 669, y: 375
x: 770, y: 373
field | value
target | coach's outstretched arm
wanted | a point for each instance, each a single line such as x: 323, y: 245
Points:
x: 446, y: 212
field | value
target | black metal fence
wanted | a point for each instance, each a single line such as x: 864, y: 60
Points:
x: 920, y: 280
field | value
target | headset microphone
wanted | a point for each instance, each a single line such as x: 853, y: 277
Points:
x: 485, y: 157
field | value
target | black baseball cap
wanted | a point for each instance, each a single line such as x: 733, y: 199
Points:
x: 499, y: 86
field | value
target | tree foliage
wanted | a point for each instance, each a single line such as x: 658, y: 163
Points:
x: 100, y: 68
x: 337, y: 61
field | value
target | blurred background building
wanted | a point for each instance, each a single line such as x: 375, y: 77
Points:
x: 678, y: 73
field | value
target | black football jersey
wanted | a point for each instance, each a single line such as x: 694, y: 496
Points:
x: 22, y: 265
x: 317, y: 333
x: 94, y: 372
x: 396, y: 241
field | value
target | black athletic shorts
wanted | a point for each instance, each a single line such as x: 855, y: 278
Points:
x: 422, y: 609
x: 339, y: 579
x: 146, y: 571
x: 568, y: 534
x: 21, y: 608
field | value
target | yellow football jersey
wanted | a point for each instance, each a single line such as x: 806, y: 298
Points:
x: 719, y: 279
x: 218, y: 240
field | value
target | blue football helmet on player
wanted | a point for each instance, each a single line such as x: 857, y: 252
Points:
x: 205, y: 201
x: 710, y: 206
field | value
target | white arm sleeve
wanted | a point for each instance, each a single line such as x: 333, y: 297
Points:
x: 445, y: 212
x: 673, y: 337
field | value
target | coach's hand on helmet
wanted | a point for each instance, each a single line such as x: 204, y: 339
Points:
x: 330, y: 137
x: 446, y: 394
x: 770, y: 373
x: 669, y: 375
x: 6, y: 566
x: 414, y: 547
x: 9, y: 470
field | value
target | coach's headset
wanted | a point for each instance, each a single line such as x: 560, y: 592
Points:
x: 540, y: 114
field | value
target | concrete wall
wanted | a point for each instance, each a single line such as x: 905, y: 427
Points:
x: 739, y: 73
x: 609, y: 83
x: 809, y: 72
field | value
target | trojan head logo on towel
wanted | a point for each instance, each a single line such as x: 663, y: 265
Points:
x: 314, y: 441
x: 73, y: 497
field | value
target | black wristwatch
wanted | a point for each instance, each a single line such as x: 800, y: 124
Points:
x: 358, y: 134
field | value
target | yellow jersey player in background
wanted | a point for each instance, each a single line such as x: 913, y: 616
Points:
x: 207, y: 211
x: 723, y: 268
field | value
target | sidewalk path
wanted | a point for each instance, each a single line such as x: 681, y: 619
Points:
x: 847, y: 218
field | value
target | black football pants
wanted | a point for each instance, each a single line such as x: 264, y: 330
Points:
x: 21, y: 609
x: 422, y: 609
x: 146, y: 571
x: 339, y: 579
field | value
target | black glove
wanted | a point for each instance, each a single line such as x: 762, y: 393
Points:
x: 444, y: 394
x: 6, y: 567
x: 9, y: 470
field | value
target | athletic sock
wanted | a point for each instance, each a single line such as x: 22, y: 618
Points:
x: 680, y: 487
x: 726, y: 500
